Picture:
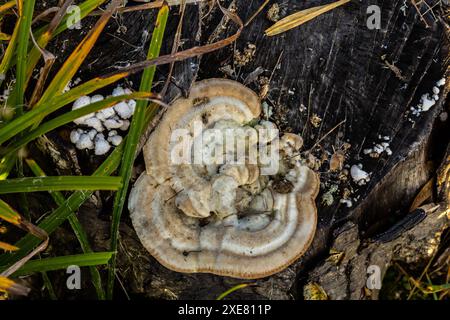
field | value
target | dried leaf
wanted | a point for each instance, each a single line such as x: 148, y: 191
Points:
x: 7, y: 285
x: 7, y: 247
x: 10, y: 215
x: 313, y: 291
x: 425, y: 193
x: 299, y: 18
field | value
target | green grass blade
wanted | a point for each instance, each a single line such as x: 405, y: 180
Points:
x: 85, y: 8
x: 6, y: 165
x: 34, y: 116
x: 22, y: 51
x: 57, y: 263
x: 69, y: 117
x: 6, y: 6
x: 7, y: 285
x: 48, y: 285
x: 59, y: 183
x: 9, y: 214
x: 43, y: 36
x: 132, y: 141
x: 57, y: 217
x: 74, y: 61
x: 235, y: 288
x: 9, y: 53
x: 76, y: 227
x: 38, y: 172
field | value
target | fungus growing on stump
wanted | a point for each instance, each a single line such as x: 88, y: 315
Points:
x: 210, y: 199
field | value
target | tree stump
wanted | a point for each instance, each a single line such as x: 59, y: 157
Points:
x: 340, y: 85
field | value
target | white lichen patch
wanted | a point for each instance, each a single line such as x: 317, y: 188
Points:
x: 328, y: 196
x: 273, y: 14
x: 98, y: 130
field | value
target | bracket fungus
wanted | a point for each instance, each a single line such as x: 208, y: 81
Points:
x: 222, y: 193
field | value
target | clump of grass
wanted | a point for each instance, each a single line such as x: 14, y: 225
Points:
x: 25, y: 125
x: 25, y: 118
x: 432, y: 282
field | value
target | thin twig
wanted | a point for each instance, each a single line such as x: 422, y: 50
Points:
x: 149, y: 6
x: 327, y: 134
x: 186, y: 54
x: 175, y: 46
x: 257, y: 12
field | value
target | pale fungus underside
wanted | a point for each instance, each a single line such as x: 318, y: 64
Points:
x: 234, y: 216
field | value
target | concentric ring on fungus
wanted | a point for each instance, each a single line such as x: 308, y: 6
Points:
x: 225, y: 219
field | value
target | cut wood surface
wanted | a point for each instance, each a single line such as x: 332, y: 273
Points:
x: 357, y: 84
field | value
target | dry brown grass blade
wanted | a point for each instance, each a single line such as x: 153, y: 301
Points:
x: 45, y: 38
x: 37, y: 232
x: 299, y: 18
x: 257, y: 12
x: 45, y: 14
x: 74, y: 61
x: 425, y: 193
x: 58, y: 18
x: 49, y: 60
x: 443, y: 178
x: 189, y: 53
x: 7, y: 285
x: 100, y: 82
x: 6, y: 6
x: 7, y: 247
x: 8, y: 214
x: 176, y: 45
x: 150, y: 5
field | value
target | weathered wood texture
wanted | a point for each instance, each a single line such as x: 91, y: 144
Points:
x: 333, y: 67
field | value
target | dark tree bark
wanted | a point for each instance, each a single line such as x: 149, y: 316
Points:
x: 333, y: 67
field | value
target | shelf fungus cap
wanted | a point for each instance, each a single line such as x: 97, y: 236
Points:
x: 226, y: 218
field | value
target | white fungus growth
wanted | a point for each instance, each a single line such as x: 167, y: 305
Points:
x: 125, y: 125
x: 107, y: 120
x: 80, y: 103
x: 114, y: 138
x: 92, y: 134
x: 118, y: 92
x: 123, y: 110
x: 436, y: 90
x: 71, y: 84
x: 347, y: 202
x: 85, y: 142
x: 427, y: 101
x: 379, y: 148
x: 113, y: 123
x: 359, y: 176
x: 256, y: 224
x: 132, y: 105
x: 101, y: 145
x: 75, y: 135
x: 441, y: 82
x: 105, y: 114
x: 97, y: 98
x: 94, y: 123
